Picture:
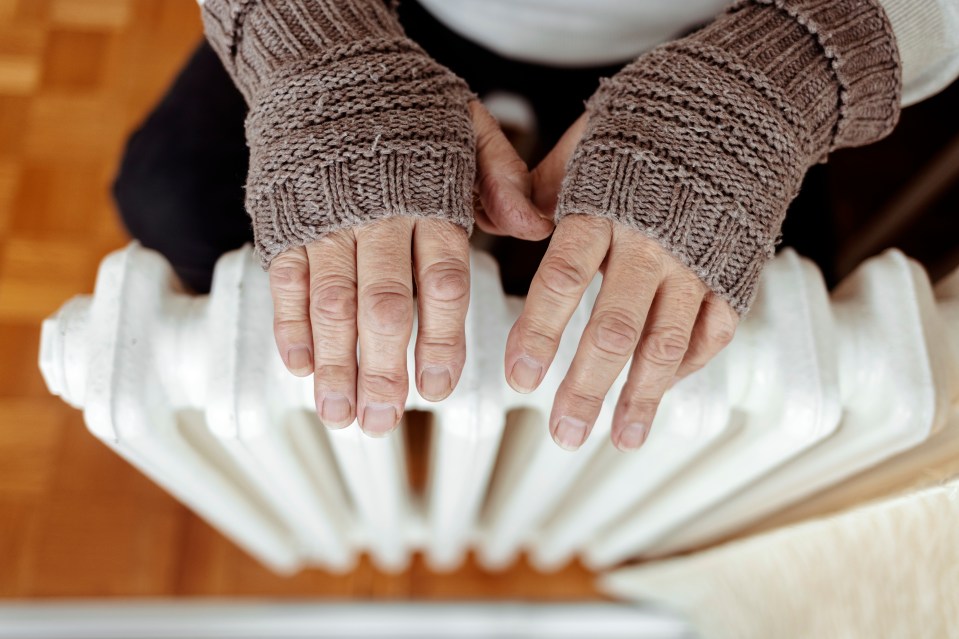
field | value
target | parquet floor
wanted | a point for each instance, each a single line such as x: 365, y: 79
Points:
x: 75, y: 77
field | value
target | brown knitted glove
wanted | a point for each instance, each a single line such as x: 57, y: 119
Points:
x: 350, y: 121
x: 703, y: 142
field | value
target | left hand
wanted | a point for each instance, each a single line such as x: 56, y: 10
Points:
x: 650, y: 307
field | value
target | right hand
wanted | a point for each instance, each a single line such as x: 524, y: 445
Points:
x: 651, y: 309
x: 355, y: 287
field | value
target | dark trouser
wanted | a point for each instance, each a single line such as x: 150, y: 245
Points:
x: 180, y: 185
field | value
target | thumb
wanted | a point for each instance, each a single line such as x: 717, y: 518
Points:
x: 504, y: 183
x: 547, y: 178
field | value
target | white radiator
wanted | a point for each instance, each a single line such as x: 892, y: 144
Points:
x: 813, y: 390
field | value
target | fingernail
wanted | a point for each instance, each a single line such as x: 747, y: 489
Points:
x: 299, y: 359
x: 633, y: 436
x: 435, y: 382
x: 378, y: 419
x: 335, y: 410
x: 570, y: 433
x: 525, y: 374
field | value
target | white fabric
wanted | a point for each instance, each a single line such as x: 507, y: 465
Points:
x: 595, y: 32
x: 889, y: 569
x: 572, y: 32
x: 927, y: 32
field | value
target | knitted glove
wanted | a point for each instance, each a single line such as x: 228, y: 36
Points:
x: 702, y: 143
x: 350, y: 121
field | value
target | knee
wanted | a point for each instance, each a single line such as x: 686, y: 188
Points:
x: 179, y: 187
x: 142, y: 186
x: 174, y: 198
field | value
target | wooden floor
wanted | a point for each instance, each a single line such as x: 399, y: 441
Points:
x: 76, y: 76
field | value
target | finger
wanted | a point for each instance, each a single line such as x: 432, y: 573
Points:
x: 385, y: 321
x: 575, y: 252
x: 547, y: 177
x: 333, y: 316
x: 661, y: 348
x: 504, y: 183
x: 290, y: 289
x: 713, y: 331
x: 633, y: 274
x: 441, y: 266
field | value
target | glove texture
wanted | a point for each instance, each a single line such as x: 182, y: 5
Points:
x: 350, y: 121
x: 703, y: 142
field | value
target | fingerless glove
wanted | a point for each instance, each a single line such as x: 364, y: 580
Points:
x: 703, y: 142
x: 349, y: 120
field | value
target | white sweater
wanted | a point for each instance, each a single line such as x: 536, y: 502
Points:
x: 594, y: 32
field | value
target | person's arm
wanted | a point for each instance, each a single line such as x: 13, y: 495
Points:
x: 362, y: 165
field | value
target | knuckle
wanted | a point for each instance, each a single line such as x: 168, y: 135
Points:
x: 381, y: 232
x: 341, y: 241
x: 646, y: 254
x: 446, y: 281
x: 694, y: 367
x: 537, y: 339
x: 334, y: 374
x: 725, y: 323
x: 653, y: 262
x: 562, y: 276
x: 442, y: 343
x: 389, y: 309
x: 449, y: 233
x: 614, y: 333
x: 290, y: 276
x: 664, y: 346
x: 384, y: 384
x: 685, y: 285
x: 637, y: 404
x: 579, y: 395
x: 594, y: 227
x: 333, y: 300
x: 290, y: 329
x: 721, y: 334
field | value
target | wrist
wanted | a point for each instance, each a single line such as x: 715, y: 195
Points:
x: 702, y: 143
x: 350, y: 121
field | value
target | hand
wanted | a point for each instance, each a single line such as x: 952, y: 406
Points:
x: 355, y: 286
x: 650, y: 307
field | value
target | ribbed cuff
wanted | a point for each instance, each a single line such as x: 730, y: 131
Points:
x: 349, y: 122
x: 703, y: 143
x: 706, y: 230
x: 346, y: 193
